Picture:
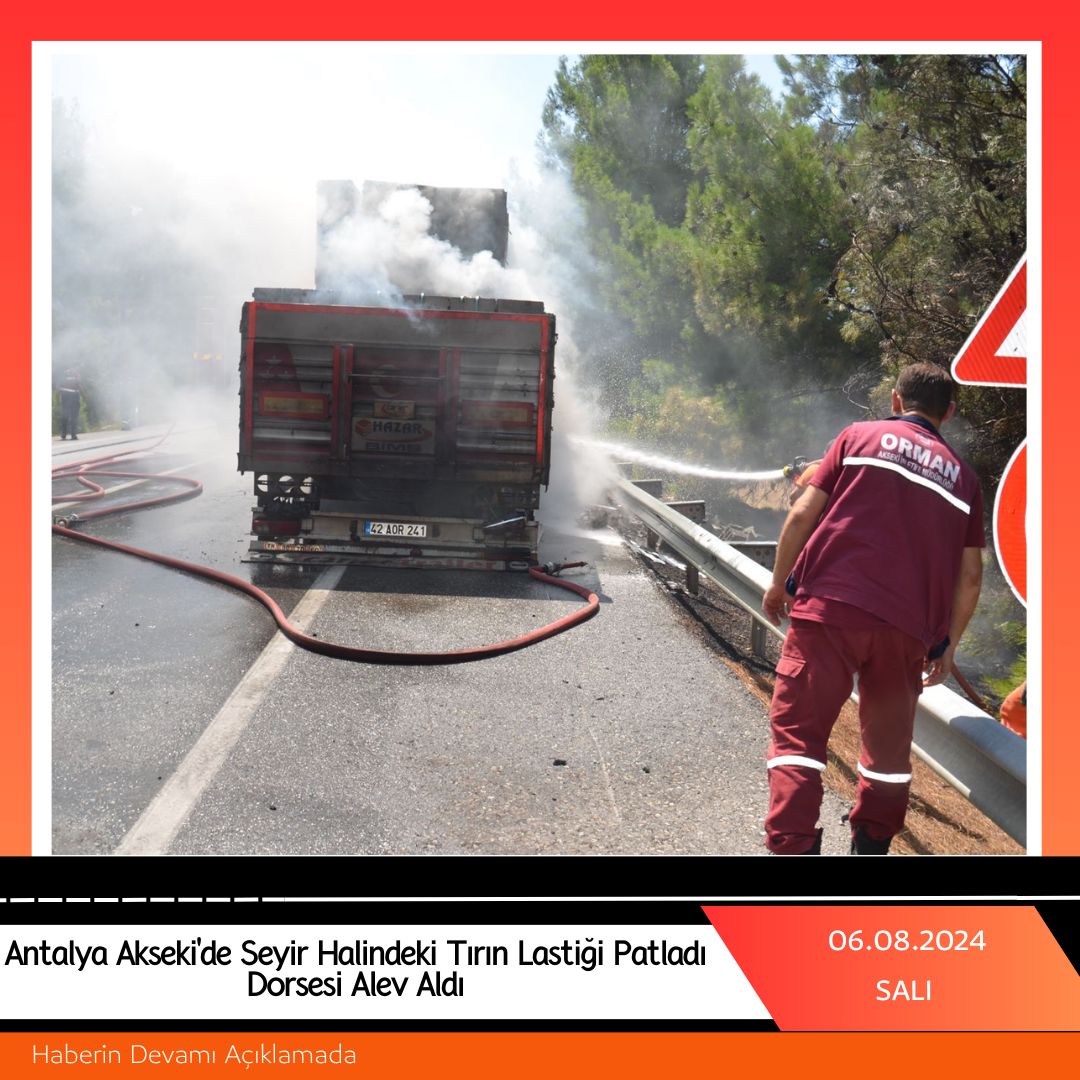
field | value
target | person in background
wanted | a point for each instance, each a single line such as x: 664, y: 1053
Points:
x: 879, y: 564
x: 70, y: 399
x: 1014, y: 710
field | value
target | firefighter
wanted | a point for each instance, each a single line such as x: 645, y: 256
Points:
x: 70, y: 398
x: 880, y: 565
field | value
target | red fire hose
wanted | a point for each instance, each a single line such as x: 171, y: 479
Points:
x: 973, y: 695
x: 84, y: 470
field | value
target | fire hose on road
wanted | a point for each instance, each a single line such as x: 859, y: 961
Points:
x: 83, y: 471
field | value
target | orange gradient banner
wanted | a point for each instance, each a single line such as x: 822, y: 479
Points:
x: 528, y: 1056
x: 904, y: 968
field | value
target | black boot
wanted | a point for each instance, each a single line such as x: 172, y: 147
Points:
x: 862, y: 843
x: 815, y: 847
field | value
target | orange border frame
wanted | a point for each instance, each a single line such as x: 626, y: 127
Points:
x: 1042, y: 21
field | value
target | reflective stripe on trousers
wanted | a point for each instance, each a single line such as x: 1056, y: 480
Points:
x: 814, y: 678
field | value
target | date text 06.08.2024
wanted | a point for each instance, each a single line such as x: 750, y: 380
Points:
x: 907, y: 941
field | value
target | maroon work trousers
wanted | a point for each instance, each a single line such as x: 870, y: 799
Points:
x: 814, y: 677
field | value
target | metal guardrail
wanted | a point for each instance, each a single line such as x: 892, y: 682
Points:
x: 979, y: 757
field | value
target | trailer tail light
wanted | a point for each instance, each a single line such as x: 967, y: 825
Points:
x: 270, y: 527
x: 294, y: 405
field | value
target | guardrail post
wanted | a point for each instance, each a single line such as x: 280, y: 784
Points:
x: 693, y: 580
x: 652, y: 540
x: 757, y: 638
x: 654, y: 487
x: 694, y: 509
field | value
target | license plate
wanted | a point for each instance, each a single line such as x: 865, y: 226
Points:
x: 405, y: 529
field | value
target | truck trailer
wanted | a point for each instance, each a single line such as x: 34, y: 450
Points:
x: 417, y: 434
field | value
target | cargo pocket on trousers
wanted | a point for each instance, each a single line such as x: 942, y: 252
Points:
x: 791, y: 666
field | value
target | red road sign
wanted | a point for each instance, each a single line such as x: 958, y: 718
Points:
x: 995, y: 354
x: 1010, y: 524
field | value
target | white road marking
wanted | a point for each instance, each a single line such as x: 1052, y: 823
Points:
x: 163, y: 818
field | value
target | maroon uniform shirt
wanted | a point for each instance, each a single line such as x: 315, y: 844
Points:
x: 902, y: 507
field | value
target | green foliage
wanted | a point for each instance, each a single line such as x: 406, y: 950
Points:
x: 671, y: 416
x: 766, y: 224
x: 624, y: 118
x: 930, y: 155
x: 1002, y: 687
x: 998, y: 646
x: 993, y: 652
x: 620, y: 124
x: 821, y: 241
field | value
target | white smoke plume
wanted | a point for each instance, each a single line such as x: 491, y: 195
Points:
x: 155, y: 249
x: 150, y: 268
x: 388, y: 252
x: 385, y: 254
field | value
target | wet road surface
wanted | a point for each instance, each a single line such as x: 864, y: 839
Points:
x: 179, y: 726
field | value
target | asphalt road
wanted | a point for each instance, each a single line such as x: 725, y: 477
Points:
x: 183, y: 723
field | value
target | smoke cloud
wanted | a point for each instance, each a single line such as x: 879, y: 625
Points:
x: 387, y: 249
x: 150, y: 267
x: 152, y: 262
x: 381, y: 255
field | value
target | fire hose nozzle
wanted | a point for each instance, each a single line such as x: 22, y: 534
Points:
x: 559, y: 567
x: 795, y: 468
